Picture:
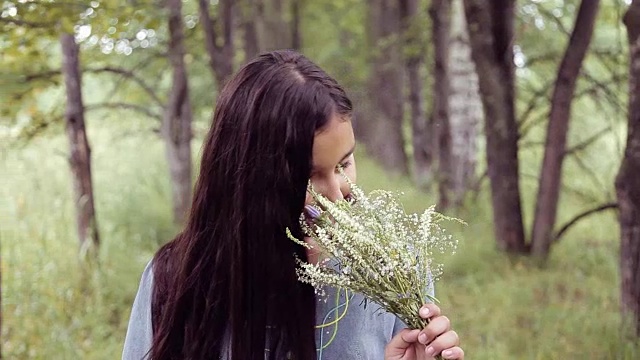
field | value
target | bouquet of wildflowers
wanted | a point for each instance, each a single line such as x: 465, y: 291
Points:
x: 378, y: 249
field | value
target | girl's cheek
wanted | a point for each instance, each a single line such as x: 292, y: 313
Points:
x: 309, y: 199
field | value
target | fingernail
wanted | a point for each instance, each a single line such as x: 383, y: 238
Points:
x: 312, y: 211
x: 447, y: 353
x: 430, y: 351
x: 424, y: 312
x: 422, y: 338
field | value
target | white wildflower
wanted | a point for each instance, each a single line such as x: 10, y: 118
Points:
x: 376, y: 249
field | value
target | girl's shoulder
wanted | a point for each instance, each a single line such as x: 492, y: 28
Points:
x: 139, y: 331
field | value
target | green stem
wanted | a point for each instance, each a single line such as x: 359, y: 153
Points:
x: 421, y: 323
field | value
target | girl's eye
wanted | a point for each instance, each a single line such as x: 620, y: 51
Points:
x: 343, y: 165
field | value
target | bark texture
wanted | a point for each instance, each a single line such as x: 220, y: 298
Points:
x: 465, y: 107
x: 80, y: 152
x: 296, y: 16
x: 558, y: 127
x: 440, y: 13
x: 490, y: 25
x: 252, y: 20
x: 219, y: 47
x: 422, y: 138
x: 176, y: 126
x: 277, y: 29
x: 628, y: 182
x: 383, y: 135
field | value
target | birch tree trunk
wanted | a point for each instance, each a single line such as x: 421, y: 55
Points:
x: 176, y: 126
x: 628, y: 182
x: 465, y: 107
x: 80, y: 152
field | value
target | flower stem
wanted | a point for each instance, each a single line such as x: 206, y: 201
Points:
x: 421, y: 323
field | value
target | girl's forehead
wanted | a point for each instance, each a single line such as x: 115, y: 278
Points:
x: 333, y: 143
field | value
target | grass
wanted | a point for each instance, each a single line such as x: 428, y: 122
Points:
x: 502, y: 307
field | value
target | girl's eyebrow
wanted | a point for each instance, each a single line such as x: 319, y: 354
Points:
x: 349, y: 153
x: 353, y: 148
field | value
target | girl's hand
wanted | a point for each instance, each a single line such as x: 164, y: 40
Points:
x: 436, y: 338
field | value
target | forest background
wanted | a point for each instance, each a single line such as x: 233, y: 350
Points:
x: 520, y: 117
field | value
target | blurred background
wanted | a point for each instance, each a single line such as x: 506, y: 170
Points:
x: 515, y: 116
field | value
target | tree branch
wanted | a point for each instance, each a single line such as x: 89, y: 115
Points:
x: 582, y: 215
x: 535, y: 121
x: 583, y: 145
x: 547, y: 14
x: 530, y: 144
x: 36, y: 128
x: 128, y: 74
x: 542, y: 58
x: 581, y: 194
x: 110, y: 69
x: 538, y: 95
x: 526, y: 125
x: 592, y: 174
x: 31, y: 24
x: 46, y: 75
x: 120, y: 105
x: 145, y: 62
x: 597, y: 84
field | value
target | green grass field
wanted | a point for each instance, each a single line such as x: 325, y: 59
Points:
x: 502, y: 307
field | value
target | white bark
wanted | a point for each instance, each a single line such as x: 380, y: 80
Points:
x: 465, y: 105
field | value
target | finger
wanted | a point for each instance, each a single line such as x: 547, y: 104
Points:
x: 429, y: 310
x: 401, y: 342
x: 443, y: 342
x: 437, y: 326
x: 453, y: 353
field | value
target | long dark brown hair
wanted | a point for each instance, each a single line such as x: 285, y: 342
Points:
x: 227, y: 284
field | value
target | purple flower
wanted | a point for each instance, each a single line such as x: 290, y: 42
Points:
x: 312, y: 211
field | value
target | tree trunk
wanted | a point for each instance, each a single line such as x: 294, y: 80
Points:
x: 490, y: 25
x: 383, y: 136
x: 465, y: 107
x: 176, y: 127
x: 277, y: 33
x: 220, y: 56
x: 628, y: 182
x: 440, y: 13
x: 80, y: 154
x: 421, y: 130
x: 296, y: 36
x: 250, y: 24
x: 555, y: 147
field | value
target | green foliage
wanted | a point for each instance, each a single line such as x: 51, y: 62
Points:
x: 49, y: 307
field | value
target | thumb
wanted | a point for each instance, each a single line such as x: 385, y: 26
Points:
x: 400, y: 343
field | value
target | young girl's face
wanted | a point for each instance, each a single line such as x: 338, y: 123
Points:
x: 333, y: 148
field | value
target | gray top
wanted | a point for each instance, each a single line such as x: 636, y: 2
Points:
x: 361, y: 333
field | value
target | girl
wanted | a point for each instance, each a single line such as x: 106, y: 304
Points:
x: 226, y: 287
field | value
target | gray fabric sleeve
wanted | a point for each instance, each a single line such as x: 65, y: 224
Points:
x: 140, y: 332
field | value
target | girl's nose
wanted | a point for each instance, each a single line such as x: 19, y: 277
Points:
x: 334, y: 193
